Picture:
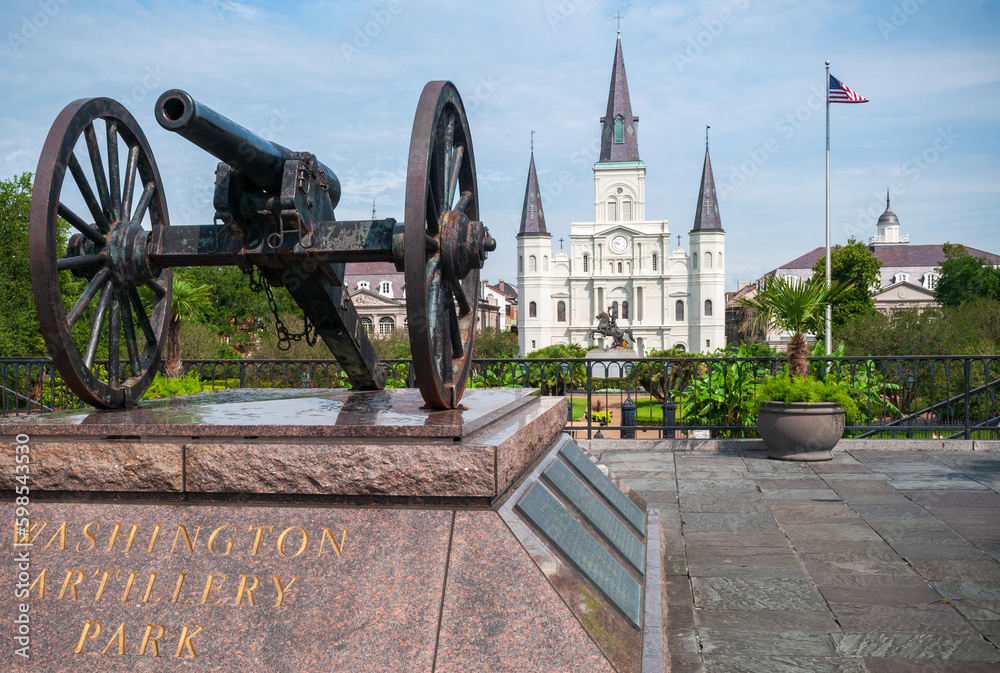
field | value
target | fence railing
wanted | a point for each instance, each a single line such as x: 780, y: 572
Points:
x: 925, y: 397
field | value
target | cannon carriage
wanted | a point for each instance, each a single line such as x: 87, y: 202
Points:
x: 274, y: 219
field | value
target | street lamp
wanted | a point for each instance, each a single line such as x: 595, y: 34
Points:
x: 564, y: 371
x: 669, y: 408
x: 628, y: 406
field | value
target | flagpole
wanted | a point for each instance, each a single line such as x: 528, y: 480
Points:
x: 829, y: 309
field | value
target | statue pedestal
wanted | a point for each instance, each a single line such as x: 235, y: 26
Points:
x: 324, y: 530
x: 608, y: 362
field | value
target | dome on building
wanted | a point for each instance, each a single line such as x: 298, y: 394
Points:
x: 888, y: 217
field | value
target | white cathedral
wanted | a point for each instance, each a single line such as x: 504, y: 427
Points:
x: 667, y: 297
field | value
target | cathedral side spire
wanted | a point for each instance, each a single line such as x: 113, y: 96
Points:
x: 619, y: 141
x: 706, y: 216
x: 532, y: 217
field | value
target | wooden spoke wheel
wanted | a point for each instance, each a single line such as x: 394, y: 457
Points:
x: 100, y: 302
x: 445, y: 246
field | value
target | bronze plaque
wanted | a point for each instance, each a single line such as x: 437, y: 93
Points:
x: 600, y: 516
x: 582, y: 550
x: 575, y: 456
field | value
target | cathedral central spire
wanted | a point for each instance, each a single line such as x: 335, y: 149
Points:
x: 618, y: 127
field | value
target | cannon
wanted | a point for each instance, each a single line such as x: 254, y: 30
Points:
x: 274, y: 219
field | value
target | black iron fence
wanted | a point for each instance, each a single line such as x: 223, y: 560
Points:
x: 919, y: 397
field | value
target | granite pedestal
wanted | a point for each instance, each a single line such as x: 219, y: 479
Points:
x: 608, y: 363
x: 323, y: 530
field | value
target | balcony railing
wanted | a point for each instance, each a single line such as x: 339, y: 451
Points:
x: 942, y: 397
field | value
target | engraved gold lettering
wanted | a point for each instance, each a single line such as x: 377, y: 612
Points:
x: 149, y: 590
x: 148, y: 640
x: 185, y: 641
x: 327, y: 535
x: 40, y: 583
x: 84, y: 637
x: 22, y: 536
x: 210, y: 587
x: 152, y: 541
x: 61, y: 534
x: 248, y: 591
x: 90, y: 536
x: 71, y: 585
x: 128, y: 585
x: 182, y: 530
x: 177, y: 591
x: 302, y: 545
x: 281, y: 588
x: 131, y: 537
x: 260, y: 533
x: 119, y: 635
x: 229, y: 543
x: 104, y: 581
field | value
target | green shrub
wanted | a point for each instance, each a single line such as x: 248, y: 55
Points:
x: 788, y: 389
x: 183, y: 385
x: 602, y: 417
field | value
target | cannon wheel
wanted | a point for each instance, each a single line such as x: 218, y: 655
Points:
x: 106, y: 253
x: 440, y: 303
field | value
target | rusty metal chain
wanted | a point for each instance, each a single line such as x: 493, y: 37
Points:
x: 285, y: 338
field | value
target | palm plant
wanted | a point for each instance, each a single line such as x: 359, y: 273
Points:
x: 187, y: 302
x: 792, y: 305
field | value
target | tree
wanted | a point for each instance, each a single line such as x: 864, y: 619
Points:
x: 964, y: 277
x: 20, y: 335
x: 187, y: 302
x: 790, y: 305
x: 856, y: 265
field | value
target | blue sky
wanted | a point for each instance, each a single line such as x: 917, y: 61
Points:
x: 342, y: 79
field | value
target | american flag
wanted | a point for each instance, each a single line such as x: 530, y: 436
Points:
x: 841, y: 93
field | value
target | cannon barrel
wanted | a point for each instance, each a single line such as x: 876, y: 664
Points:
x: 260, y: 160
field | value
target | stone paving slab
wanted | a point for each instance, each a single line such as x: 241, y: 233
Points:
x: 879, y: 561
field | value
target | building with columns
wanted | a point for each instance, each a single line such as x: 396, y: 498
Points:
x: 666, y: 296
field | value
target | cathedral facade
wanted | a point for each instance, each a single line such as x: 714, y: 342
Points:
x: 665, y: 296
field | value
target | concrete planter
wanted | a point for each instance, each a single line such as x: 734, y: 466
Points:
x: 800, y: 430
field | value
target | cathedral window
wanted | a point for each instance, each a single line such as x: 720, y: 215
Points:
x: 708, y: 260
x: 619, y: 267
x: 627, y: 210
x: 612, y: 210
x: 520, y: 263
x: 625, y: 309
x: 679, y: 310
x: 532, y: 310
x: 619, y: 130
x: 545, y: 263
x: 614, y: 305
x: 708, y: 308
x: 654, y: 261
x: 694, y: 261
x: 586, y: 260
x: 561, y: 311
x: 532, y: 264
x: 386, y: 325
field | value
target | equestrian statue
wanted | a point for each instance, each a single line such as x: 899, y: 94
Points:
x: 607, y: 325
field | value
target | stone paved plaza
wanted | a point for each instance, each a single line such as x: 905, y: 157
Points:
x: 879, y: 561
